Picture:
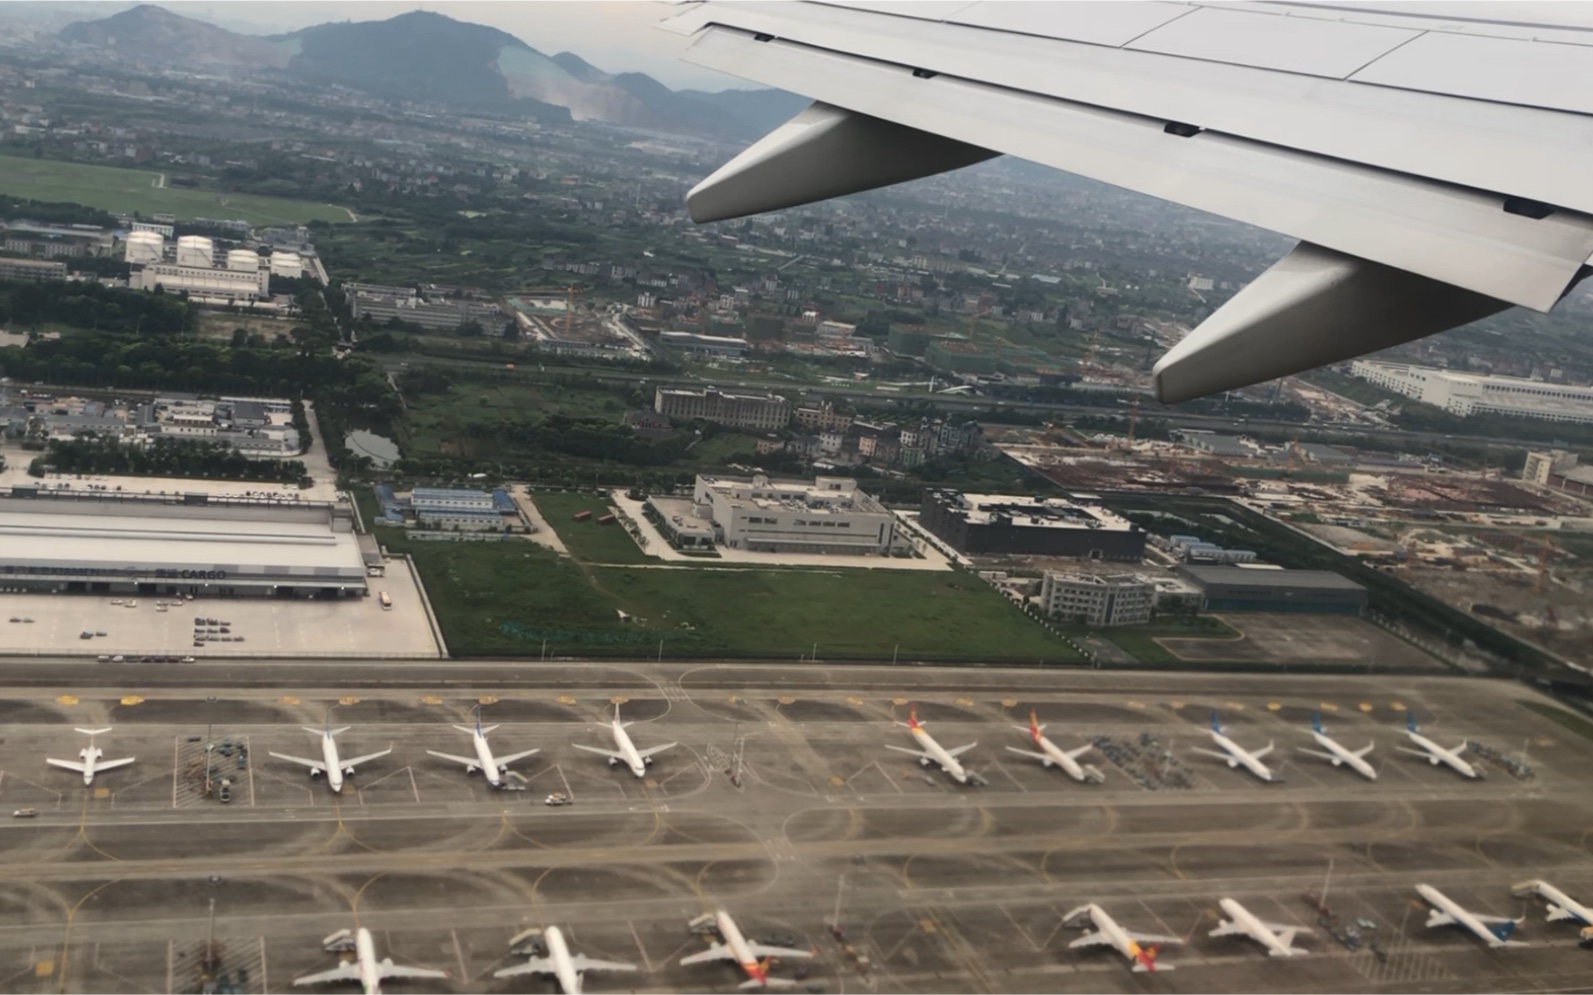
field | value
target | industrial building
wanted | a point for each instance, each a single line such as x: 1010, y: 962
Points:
x: 1027, y: 526
x: 383, y: 303
x: 1468, y: 394
x: 828, y: 515
x: 32, y: 269
x: 457, y: 510
x: 712, y: 346
x: 52, y: 241
x: 758, y: 411
x: 1119, y: 599
x: 252, y: 426
x: 203, y: 281
x: 207, y: 547
x: 1273, y: 589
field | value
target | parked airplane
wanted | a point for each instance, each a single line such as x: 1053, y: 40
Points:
x: 364, y: 968
x: 1561, y: 907
x: 1492, y: 930
x: 330, y: 764
x: 1279, y: 940
x: 1339, y: 755
x: 492, y: 768
x: 625, y: 752
x: 752, y: 957
x: 90, y: 755
x: 1052, y: 755
x: 1435, y: 754
x: 559, y: 962
x: 1127, y: 942
x: 1236, y: 755
x: 1430, y: 177
x: 932, y: 751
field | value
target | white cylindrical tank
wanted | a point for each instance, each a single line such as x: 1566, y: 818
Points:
x: 145, y: 247
x: 196, y: 250
x: 287, y: 264
x: 243, y: 260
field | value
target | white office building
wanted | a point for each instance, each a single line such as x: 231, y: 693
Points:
x: 1118, y: 599
x: 826, y: 515
x: 1468, y: 394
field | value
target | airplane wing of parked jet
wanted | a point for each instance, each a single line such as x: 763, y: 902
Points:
x: 544, y: 965
x: 721, y: 951
x: 600, y: 751
x: 316, y: 765
x: 955, y: 751
x: 99, y: 765
x: 1100, y: 939
x: 511, y: 758
x: 349, y: 971
x: 350, y: 764
x: 1432, y: 167
x: 467, y: 761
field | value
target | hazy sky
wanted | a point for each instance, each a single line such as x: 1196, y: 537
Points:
x: 614, y: 36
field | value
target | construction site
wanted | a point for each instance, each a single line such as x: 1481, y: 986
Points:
x: 558, y: 321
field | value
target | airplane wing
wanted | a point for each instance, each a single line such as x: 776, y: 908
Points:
x: 367, y: 758
x: 1075, y: 754
x: 1210, y: 753
x: 113, y: 764
x: 912, y: 753
x: 511, y: 758
x: 644, y: 754
x: 717, y: 951
x: 1229, y: 928
x: 1439, y: 918
x: 65, y: 764
x: 1153, y: 938
x: 585, y: 963
x: 1424, y: 754
x: 614, y: 754
x: 1432, y: 168
x: 536, y: 965
x: 1029, y: 753
x: 388, y: 969
x: 1258, y: 754
x: 348, y: 971
x: 1318, y: 753
x: 312, y: 764
x: 1095, y: 939
x: 1363, y: 751
x: 1288, y: 931
x: 760, y: 950
x: 1491, y: 920
x: 959, y: 751
x: 467, y: 761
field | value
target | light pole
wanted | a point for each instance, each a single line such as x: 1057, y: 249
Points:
x: 210, y: 743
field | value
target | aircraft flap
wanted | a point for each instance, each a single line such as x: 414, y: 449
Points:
x: 1096, y: 939
x: 1437, y: 918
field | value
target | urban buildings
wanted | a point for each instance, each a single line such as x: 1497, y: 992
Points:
x: 1468, y: 394
x: 52, y: 241
x: 32, y: 269
x: 1015, y: 524
x: 1119, y: 599
x: 828, y: 515
x: 1273, y: 589
x: 1558, y: 469
x: 434, y: 312
x: 765, y: 412
x: 252, y: 426
x: 457, y: 510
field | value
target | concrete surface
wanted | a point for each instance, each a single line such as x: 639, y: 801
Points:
x: 942, y: 887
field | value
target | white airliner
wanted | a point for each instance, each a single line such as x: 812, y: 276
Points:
x: 625, y: 752
x: 1492, y: 930
x: 752, y: 957
x: 1433, y: 167
x: 492, y: 768
x: 90, y: 755
x: 559, y: 962
x: 1435, y: 754
x: 1236, y: 755
x: 364, y: 968
x: 932, y: 752
x: 330, y: 764
x: 1338, y: 754
x: 1052, y: 755
x: 1140, y: 948
x: 1278, y: 939
x: 1561, y: 907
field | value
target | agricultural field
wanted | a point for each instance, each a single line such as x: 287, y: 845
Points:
x: 127, y: 190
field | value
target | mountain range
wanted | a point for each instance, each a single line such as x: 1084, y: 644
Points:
x: 424, y: 56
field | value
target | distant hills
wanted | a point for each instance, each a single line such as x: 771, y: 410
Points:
x: 424, y: 56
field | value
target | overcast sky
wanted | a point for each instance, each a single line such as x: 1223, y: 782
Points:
x: 615, y: 36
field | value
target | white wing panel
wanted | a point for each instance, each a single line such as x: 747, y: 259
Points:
x: 1524, y: 151
x: 1456, y: 236
x: 1271, y: 41
x: 1093, y: 22
x: 1533, y: 74
x: 923, y: 10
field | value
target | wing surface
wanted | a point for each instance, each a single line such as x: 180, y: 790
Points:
x: 367, y: 758
x: 615, y: 754
x: 113, y: 764
x: 763, y: 950
x: 388, y: 969
x: 65, y: 764
x: 716, y: 951
x: 511, y: 758
x: 348, y: 971
x: 467, y: 761
x: 535, y: 965
x: 312, y: 764
x: 644, y: 754
x: 1432, y: 169
x: 585, y: 963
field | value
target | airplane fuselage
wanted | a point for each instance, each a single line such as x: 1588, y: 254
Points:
x: 334, y: 764
x: 1256, y: 929
x: 739, y: 948
x: 1346, y: 757
x: 563, y: 966
x: 1473, y: 925
x: 1058, y: 757
x: 623, y: 744
x: 365, y: 952
x: 1438, y: 755
x: 1561, y: 906
x: 89, y: 755
x: 1238, y: 756
x: 489, y: 764
x: 948, y: 763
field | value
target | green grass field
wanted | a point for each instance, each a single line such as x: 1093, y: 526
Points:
x: 127, y: 190
x: 588, y: 541
x: 506, y: 598
x: 437, y: 424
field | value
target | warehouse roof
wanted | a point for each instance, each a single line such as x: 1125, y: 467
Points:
x: 1241, y: 576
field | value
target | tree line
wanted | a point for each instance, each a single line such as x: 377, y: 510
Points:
x: 161, y: 458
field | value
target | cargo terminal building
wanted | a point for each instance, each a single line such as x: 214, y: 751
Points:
x: 174, y: 546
